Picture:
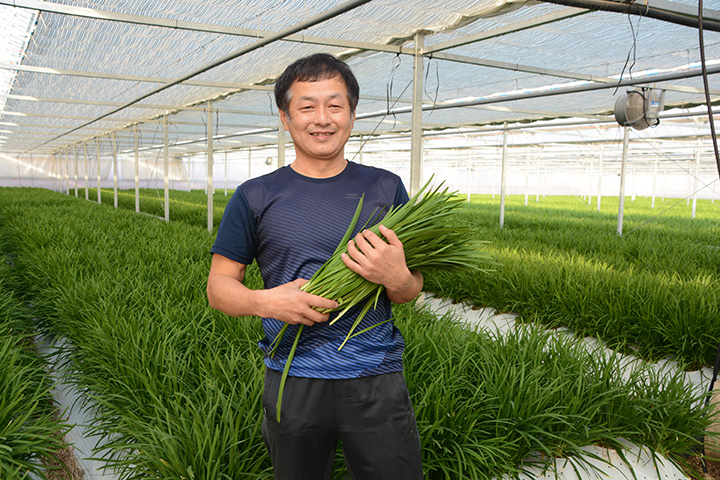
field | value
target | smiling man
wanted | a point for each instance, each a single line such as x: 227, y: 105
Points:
x: 290, y: 222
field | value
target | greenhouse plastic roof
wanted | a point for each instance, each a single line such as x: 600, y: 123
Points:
x: 78, y: 71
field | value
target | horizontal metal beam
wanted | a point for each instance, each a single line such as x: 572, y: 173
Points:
x: 198, y: 108
x: 512, y: 28
x: 648, y: 80
x: 550, y: 72
x: 481, y: 62
x: 131, y: 78
x: 176, y: 24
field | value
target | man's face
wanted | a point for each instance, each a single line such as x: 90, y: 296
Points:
x: 319, y: 119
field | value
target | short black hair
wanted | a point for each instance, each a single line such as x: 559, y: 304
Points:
x: 320, y: 66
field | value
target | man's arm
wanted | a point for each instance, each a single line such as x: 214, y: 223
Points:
x: 287, y: 303
x: 383, y: 263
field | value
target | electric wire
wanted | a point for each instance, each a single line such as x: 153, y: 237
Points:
x: 705, y: 84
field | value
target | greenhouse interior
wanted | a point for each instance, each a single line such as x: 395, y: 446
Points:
x: 574, y: 141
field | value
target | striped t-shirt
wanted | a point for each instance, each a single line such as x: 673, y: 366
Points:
x: 291, y: 224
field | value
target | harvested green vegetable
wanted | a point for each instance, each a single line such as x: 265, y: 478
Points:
x: 431, y: 240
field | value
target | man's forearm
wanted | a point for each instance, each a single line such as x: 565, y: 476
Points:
x: 232, y: 297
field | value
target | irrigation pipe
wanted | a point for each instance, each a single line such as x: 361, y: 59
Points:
x: 640, y: 9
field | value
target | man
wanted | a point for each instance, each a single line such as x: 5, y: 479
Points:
x: 291, y: 221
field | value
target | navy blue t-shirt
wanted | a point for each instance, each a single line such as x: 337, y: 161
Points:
x: 291, y: 224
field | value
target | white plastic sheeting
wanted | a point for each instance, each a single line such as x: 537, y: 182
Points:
x: 77, y: 68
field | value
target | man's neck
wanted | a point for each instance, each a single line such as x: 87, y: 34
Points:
x: 315, y: 169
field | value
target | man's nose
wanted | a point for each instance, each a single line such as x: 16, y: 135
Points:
x: 322, y: 116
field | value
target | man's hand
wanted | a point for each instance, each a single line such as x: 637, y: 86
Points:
x: 287, y: 303
x: 291, y: 305
x: 383, y: 263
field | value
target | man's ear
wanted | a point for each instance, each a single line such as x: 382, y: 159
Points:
x: 284, y: 119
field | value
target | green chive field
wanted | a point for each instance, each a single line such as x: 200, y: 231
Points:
x: 30, y: 431
x: 175, y: 386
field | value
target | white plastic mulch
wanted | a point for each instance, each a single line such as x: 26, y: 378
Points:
x: 639, y: 460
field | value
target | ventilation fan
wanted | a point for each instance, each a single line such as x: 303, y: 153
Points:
x: 639, y: 108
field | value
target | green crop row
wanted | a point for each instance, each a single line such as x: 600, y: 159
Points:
x: 176, y: 386
x: 654, y: 291
x: 30, y: 430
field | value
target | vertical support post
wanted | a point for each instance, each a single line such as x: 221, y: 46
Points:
x: 416, y: 151
x: 210, y: 186
x: 281, y: 143
x: 590, y: 180
x: 527, y: 177
x: 600, y: 176
x: 75, y: 169
x: 136, y: 148
x: 53, y: 171
x: 166, y: 168
x: 87, y: 172
x: 621, y: 198
x: 67, y: 172
x: 469, y: 175
x: 503, y: 175
x: 654, y: 184
x: 697, y: 174
x: 115, y: 170
x: 99, y: 174
x: 249, y: 163
x: 226, y: 173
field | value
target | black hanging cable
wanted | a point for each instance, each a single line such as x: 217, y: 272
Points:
x: 705, y: 84
x: 716, y: 370
x: 633, y: 51
x: 388, y: 91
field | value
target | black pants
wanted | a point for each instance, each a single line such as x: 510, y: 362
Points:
x: 372, y: 416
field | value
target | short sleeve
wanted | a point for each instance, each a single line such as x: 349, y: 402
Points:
x: 237, y: 234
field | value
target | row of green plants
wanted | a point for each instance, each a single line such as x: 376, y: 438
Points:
x: 653, y: 291
x: 31, y: 429
x: 176, y: 386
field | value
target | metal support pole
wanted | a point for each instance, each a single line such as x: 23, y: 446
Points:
x: 621, y: 208
x: 166, y: 168
x: 469, y: 175
x: 249, y: 163
x: 97, y: 145
x: 503, y: 176
x: 695, y: 187
x: 281, y: 144
x: 210, y: 186
x: 590, y: 180
x: 75, y: 169
x: 115, y: 170
x: 99, y: 174
x: 226, y: 173
x: 67, y: 172
x: 600, y: 176
x: 136, y: 147
x: 527, y: 177
x: 416, y: 151
x: 654, y: 185
x: 87, y: 171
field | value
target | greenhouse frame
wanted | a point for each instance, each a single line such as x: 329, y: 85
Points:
x: 164, y: 108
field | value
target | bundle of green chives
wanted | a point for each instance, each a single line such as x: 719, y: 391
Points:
x: 430, y: 241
